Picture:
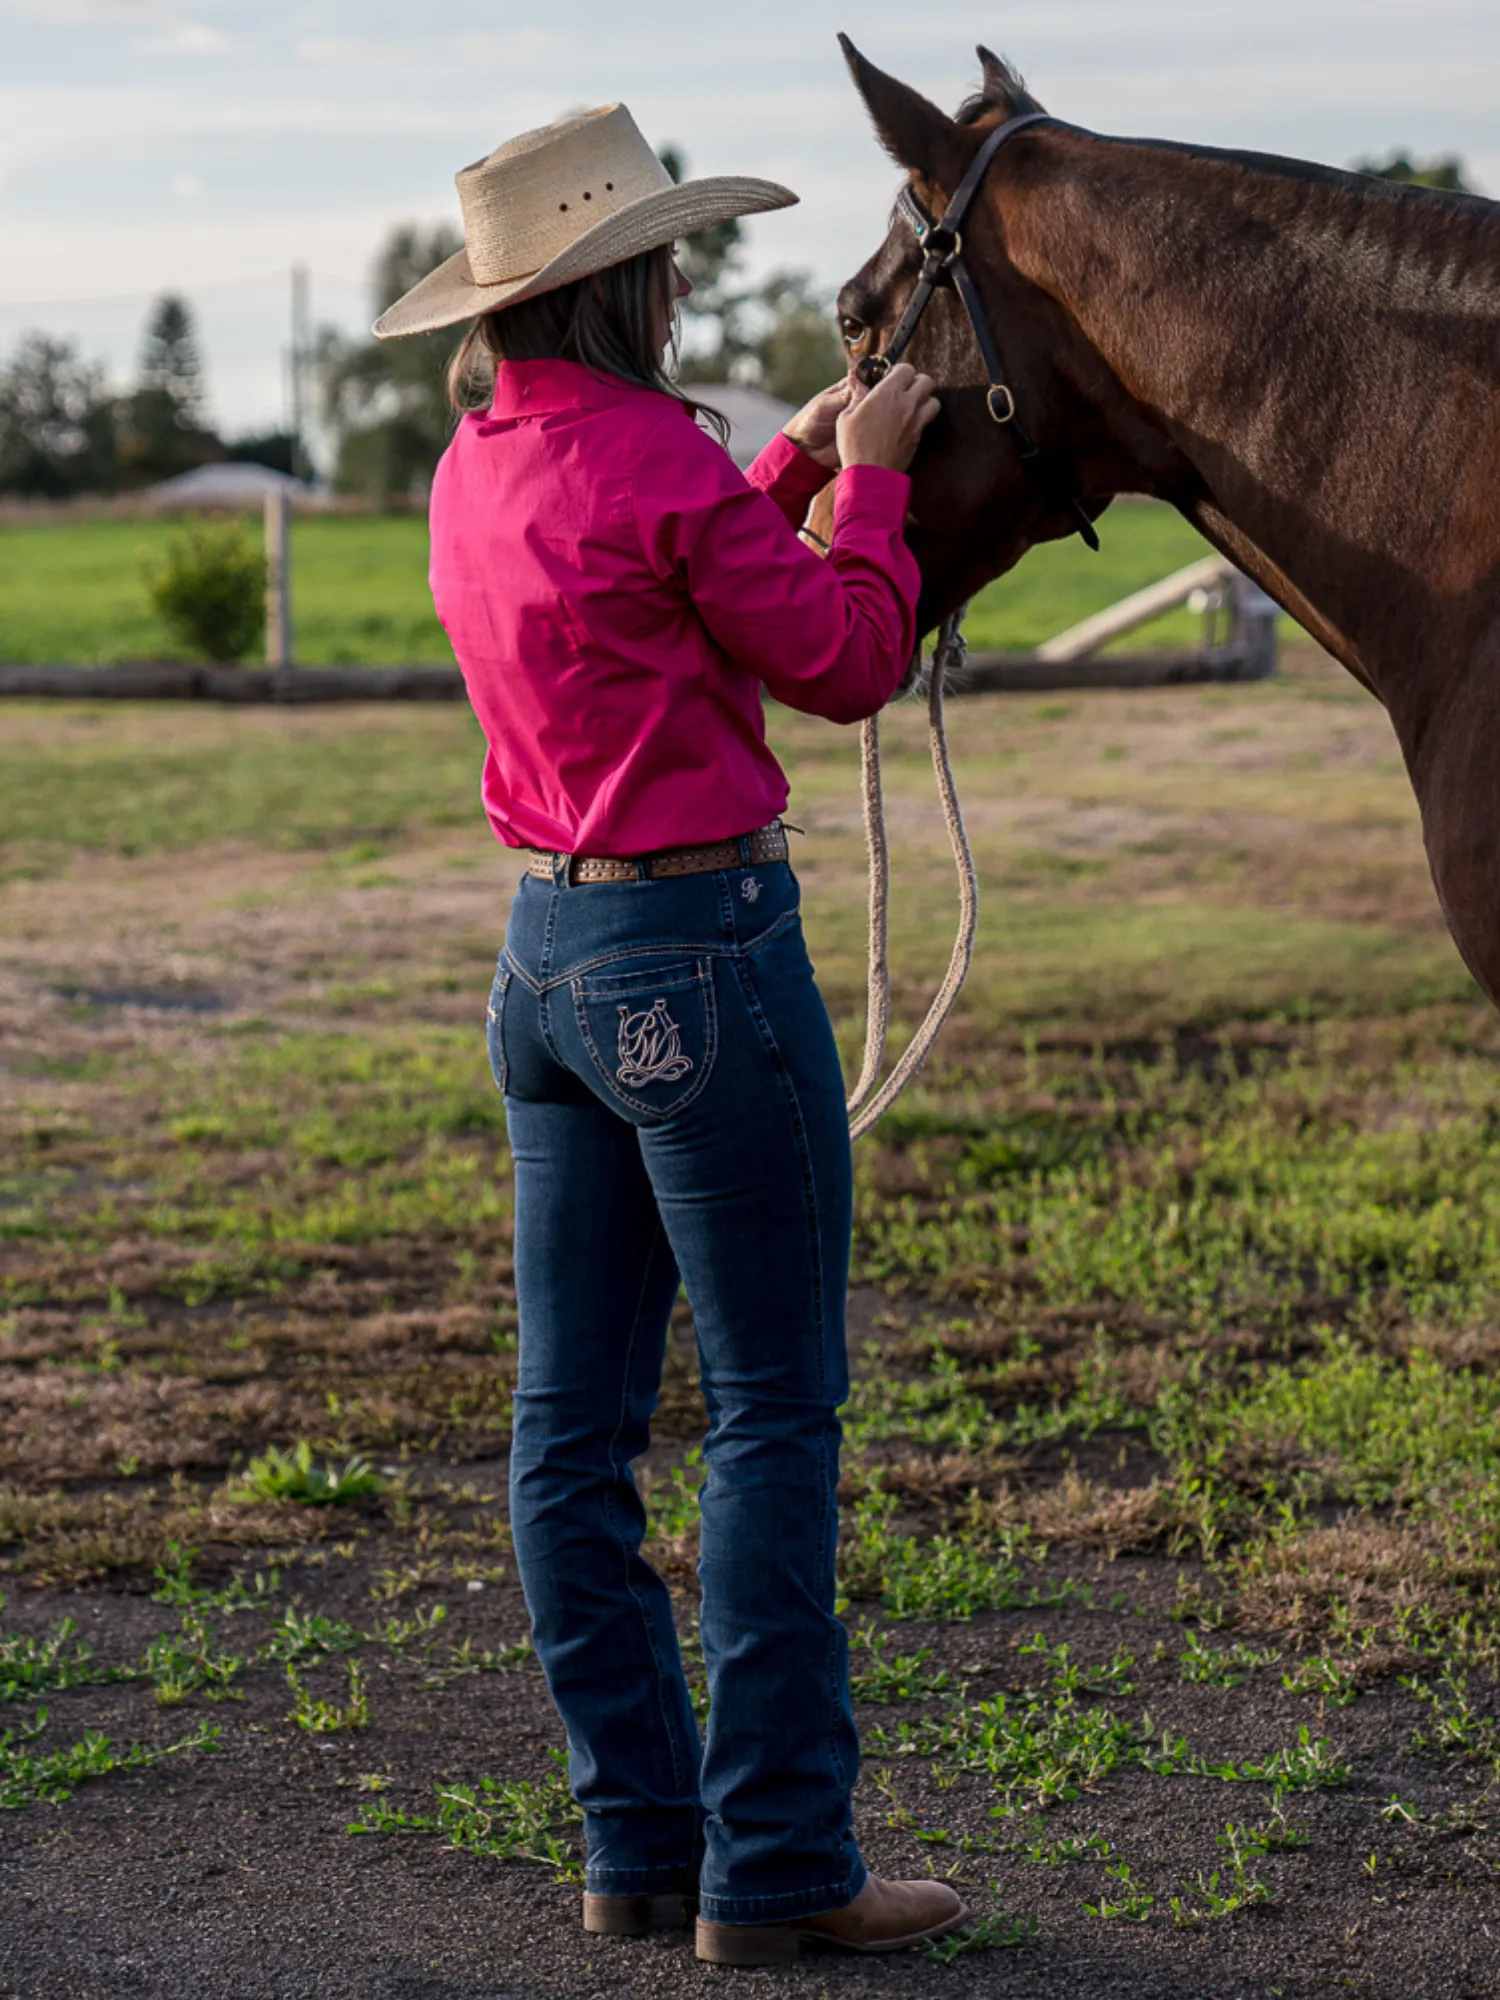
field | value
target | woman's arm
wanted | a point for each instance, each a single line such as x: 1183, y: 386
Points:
x: 831, y: 638
x: 802, y: 457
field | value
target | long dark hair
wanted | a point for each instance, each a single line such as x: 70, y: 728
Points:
x: 608, y: 321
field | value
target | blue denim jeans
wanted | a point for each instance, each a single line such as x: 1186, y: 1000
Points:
x: 676, y: 1113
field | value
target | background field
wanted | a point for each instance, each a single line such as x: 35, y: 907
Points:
x: 73, y: 592
x: 1170, y: 1499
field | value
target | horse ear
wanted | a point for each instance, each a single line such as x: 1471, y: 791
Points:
x: 1002, y: 85
x: 913, y: 131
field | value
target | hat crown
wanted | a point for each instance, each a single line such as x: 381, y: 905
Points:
x: 527, y: 201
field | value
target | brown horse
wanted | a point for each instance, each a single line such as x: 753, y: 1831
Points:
x: 1305, y: 363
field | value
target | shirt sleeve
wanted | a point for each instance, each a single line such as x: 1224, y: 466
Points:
x: 786, y: 474
x: 832, y: 638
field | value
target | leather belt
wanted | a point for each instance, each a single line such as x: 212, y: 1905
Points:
x: 766, y: 844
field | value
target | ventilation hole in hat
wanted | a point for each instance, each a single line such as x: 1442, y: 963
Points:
x: 609, y: 187
x: 562, y: 208
x: 587, y: 196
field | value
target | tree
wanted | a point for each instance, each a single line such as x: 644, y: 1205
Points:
x: 171, y: 365
x: 798, y: 350
x: 276, y: 449
x: 1444, y: 170
x: 57, y: 426
x: 386, y: 402
x: 710, y: 260
x: 778, y: 336
x: 162, y: 427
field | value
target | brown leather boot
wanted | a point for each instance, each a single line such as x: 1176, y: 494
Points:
x: 634, y: 1916
x: 884, y: 1916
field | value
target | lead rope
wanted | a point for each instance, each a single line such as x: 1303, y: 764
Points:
x: 867, y: 1104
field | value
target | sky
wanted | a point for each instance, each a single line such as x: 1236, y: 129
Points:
x: 206, y: 147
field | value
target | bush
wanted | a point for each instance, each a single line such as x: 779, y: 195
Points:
x: 211, y: 589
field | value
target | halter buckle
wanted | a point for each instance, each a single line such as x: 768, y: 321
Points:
x: 952, y: 237
x: 874, y: 368
x: 999, y: 389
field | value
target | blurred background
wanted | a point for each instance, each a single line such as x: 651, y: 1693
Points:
x: 204, y: 205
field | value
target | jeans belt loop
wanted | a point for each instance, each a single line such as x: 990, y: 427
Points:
x: 562, y: 870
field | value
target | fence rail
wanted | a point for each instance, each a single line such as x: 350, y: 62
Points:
x: 171, y: 680
x: 1239, y: 644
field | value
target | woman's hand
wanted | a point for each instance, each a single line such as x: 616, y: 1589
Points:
x: 814, y: 429
x: 885, y: 426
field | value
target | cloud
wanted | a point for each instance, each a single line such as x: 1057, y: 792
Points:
x: 169, y: 31
x: 128, y: 137
x: 189, y: 38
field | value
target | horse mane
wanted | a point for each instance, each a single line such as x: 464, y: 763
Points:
x: 1430, y: 228
x: 1004, y: 89
x: 1435, y: 236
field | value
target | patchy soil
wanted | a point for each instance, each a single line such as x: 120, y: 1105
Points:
x: 1172, y: 1538
x: 233, y: 1873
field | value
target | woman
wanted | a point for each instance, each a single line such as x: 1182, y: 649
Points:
x: 618, y: 596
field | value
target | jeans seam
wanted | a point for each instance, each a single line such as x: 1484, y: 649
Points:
x: 515, y: 966
x: 612, y: 1873
x: 809, y: 1185
x: 495, y: 1022
x: 692, y: 948
x: 544, y: 1027
x: 548, y: 934
x: 614, y: 1466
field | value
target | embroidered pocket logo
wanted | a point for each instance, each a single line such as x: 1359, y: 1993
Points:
x: 750, y: 889
x: 650, y: 1048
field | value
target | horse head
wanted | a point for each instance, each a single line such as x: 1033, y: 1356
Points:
x: 976, y: 507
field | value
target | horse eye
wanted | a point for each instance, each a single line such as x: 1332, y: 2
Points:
x: 852, y: 331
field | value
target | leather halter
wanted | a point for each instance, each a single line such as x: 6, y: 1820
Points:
x: 943, y: 264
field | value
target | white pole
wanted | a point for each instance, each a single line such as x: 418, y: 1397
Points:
x: 1137, y: 609
x: 279, y: 589
x: 301, y: 344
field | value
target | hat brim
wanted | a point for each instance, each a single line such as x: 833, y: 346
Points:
x: 449, y: 295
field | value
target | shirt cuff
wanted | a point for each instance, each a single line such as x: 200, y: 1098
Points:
x: 786, y: 473
x: 871, y: 493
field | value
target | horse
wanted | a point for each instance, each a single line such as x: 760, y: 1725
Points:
x: 1304, y: 362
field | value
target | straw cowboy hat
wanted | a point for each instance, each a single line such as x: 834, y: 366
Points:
x: 559, y: 203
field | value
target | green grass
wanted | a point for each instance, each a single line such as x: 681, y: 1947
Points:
x: 133, y: 783
x: 74, y: 592
x: 501, y: 1820
x: 49, y: 1777
x: 296, y: 1475
x: 1060, y: 583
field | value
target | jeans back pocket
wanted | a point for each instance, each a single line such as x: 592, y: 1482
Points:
x: 650, y: 1030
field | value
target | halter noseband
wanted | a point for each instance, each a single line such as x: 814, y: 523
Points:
x: 943, y: 264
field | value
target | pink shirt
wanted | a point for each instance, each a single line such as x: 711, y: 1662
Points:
x: 618, y: 594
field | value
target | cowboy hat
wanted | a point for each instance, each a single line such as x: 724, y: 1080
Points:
x: 559, y: 203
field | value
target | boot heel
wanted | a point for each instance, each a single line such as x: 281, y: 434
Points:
x: 747, y: 1944
x: 637, y: 1916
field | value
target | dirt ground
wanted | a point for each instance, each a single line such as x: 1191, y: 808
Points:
x: 232, y: 1874
x: 1171, y: 1538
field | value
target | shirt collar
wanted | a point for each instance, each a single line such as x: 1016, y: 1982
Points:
x: 539, y: 388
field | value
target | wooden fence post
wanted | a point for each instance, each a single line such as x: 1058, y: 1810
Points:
x: 279, y: 592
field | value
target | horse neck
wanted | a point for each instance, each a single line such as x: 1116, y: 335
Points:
x: 1319, y: 353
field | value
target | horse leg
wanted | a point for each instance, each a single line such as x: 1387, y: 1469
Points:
x: 1456, y: 773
